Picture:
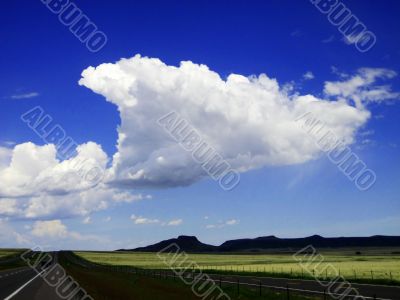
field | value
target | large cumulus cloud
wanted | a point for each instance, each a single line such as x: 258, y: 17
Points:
x: 250, y: 121
x: 35, y: 184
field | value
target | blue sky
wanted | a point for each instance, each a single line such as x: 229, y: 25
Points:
x: 283, y: 39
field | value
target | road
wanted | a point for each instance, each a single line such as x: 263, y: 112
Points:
x: 25, y: 284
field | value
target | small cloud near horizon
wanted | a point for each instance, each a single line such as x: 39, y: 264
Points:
x: 330, y: 39
x: 308, y: 75
x: 25, y: 95
x: 220, y: 224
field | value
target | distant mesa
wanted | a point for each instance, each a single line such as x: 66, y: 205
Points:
x: 268, y: 243
x: 186, y: 243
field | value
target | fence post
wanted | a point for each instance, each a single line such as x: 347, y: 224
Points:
x: 287, y: 292
x: 238, y: 286
x: 260, y: 288
x: 391, y: 278
x: 324, y: 294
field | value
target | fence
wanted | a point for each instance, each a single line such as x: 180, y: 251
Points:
x: 300, y: 273
x: 222, y: 280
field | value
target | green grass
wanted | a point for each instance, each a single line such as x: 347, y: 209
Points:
x: 383, y: 264
x: 9, y: 252
x: 9, y: 259
x: 106, y: 285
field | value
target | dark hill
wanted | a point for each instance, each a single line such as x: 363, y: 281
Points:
x: 265, y: 243
x: 192, y: 244
x: 186, y: 243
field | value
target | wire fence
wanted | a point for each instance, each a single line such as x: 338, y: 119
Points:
x: 238, y: 282
x: 350, y: 274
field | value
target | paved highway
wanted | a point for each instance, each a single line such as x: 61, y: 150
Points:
x: 25, y: 284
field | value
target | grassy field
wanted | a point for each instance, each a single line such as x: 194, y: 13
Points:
x: 108, y: 285
x: 371, y: 264
x: 9, y: 252
x: 9, y: 259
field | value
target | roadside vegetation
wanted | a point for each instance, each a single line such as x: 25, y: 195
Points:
x: 109, y: 284
x: 379, y: 266
x: 10, y: 259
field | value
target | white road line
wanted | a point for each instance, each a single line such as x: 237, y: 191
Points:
x: 23, y: 286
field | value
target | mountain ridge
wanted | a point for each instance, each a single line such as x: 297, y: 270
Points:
x: 192, y: 244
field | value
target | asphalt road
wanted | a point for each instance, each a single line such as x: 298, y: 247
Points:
x: 25, y: 284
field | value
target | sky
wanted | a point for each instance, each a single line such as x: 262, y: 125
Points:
x: 243, y: 75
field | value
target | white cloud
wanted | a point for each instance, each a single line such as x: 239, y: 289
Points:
x: 50, y: 234
x: 141, y: 220
x: 8, y: 143
x: 107, y: 219
x: 232, y: 222
x: 50, y: 205
x: 34, y: 183
x: 361, y: 87
x: 9, y: 207
x: 87, y: 220
x: 367, y: 132
x: 25, y: 95
x: 175, y: 222
x: 256, y: 116
x: 52, y: 229
x: 308, y: 75
x: 55, y: 230
x: 33, y: 170
x: 329, y: 39
x: 221, y: 224
x: 9, y: 237
x: 129, y: 197
x: 5, y: 158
